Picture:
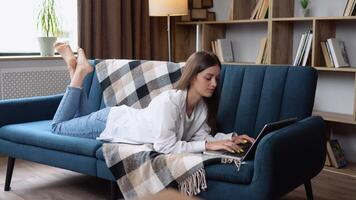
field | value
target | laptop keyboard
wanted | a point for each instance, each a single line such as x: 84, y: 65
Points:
x: 244, y: 147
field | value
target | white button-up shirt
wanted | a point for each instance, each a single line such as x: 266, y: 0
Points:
x: 164, y: 123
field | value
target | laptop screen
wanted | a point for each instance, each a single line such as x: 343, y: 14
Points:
x: 267, y: 128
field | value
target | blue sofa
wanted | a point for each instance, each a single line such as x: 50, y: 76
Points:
x: 250, y: 96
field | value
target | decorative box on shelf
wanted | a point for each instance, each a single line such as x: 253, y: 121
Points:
x: 198, y: 11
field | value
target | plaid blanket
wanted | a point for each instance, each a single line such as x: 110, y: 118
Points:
x: 140, y: 171
x: 135, y: 82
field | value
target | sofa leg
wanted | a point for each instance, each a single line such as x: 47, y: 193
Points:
x: 114, y: 190
x: 308, y: 190
x: 10, y: 169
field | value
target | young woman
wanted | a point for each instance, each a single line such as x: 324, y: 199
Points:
x: 176, y: 121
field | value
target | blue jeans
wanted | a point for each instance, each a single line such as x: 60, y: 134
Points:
x: 73, y: 119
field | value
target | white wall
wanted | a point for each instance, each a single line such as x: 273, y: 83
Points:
x: 322, y: 8
x: 245, y: 40
x: 335, y: 91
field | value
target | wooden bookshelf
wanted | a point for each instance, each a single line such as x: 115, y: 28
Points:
x: 336, y: 117
x: 241, y: 21
x: 335, y: 18
x: 240, y: 63
x: 280, y: 24
x: 332, y: 69
x: 292, y: 19
x: 348, y: 170
x: 279, y: 27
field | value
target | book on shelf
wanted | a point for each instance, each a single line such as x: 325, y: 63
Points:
x: 299, y: 49
x: 223, y: 49
x: 303, y: 50
x: 262, y: 51
x: 256, y: 9
x: 350, y: 8
x: 213, y: 47
x: 327, y: 160
x: 306, y: 55
x: 338, y: 52
x: 261, y: 9
x: 329, y: 52
x: 215, y: 50
x: 326, y: 54
x: 264, y: 9
x: 335, y: 153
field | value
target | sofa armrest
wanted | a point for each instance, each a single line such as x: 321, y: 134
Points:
x: 288, y: 157
x: 28, y: 109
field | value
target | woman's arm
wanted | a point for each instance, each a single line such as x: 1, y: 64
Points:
x: 167, y: 126
x: 220, y: 140
x: 203, y: 134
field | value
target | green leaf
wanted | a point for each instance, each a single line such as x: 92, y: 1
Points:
x: 304, y: 3
x: 47, y: 20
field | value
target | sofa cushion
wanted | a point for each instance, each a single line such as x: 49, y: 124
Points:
x: 229, y: 173
x: 263, y: 94
x: 99, y: 154
x: 39, y: 134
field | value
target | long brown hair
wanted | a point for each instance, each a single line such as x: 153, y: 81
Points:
x: 196, y: 63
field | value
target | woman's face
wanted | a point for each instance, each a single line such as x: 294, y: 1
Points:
x: 206, y: 81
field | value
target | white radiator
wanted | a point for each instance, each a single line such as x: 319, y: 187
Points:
x: 32, y: 81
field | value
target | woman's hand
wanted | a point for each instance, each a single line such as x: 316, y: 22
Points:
x: 242, y: 139
x: 227, y: 145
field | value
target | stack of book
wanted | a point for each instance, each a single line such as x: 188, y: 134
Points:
x: 223, y: 49
x: 198, y: 11
x: 303, y: 50
x: 334, y: 155
x: 261, y: 9
x: 350, y: 9
x: 334, y: 52
x: 262, y: 52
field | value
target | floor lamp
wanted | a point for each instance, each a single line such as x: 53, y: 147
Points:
x: 168, y: 8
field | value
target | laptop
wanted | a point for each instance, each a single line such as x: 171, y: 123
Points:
x: 250, y: 148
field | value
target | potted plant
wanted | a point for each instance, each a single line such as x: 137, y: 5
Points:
x: 305, y: 6
x: 48, y: 24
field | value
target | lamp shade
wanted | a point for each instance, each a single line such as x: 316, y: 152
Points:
x: 168, y: 7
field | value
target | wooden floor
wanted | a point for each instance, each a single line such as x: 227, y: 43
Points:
x: 33, y: 181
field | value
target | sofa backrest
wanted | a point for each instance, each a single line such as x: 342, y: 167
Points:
x: 251, y: 96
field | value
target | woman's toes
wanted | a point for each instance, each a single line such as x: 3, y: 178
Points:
x: 83, y: 61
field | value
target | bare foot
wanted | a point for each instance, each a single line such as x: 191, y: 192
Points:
x: 67, y: 54
x: 83, y: 68
x: 82, y: 62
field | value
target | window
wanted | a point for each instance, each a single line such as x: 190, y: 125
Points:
x: 18, y: 32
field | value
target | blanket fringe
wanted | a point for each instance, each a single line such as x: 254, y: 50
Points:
x: 231, y: 160
x: 194, y: 184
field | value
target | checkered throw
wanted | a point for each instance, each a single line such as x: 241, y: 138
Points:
x: 140, y: 171
x: 135, y: 82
